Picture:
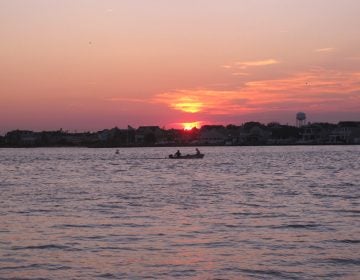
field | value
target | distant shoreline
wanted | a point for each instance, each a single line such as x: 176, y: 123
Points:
x: 174, y: 146
x: 247, y: 134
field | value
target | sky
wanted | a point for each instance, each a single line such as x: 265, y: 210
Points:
x: 87, y: 65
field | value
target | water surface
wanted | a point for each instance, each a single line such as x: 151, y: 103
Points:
x: 239, y: 213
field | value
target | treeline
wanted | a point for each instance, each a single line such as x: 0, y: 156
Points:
x: 250, y: 133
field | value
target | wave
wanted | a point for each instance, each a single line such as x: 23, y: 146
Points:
x: 41, y: 247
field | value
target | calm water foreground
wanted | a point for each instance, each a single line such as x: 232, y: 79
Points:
x: 239, y: 213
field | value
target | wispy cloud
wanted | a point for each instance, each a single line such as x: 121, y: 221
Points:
x: 240, y: 74
x: 253, y: 63
x: 355, y: 58
x: 125, y: 99
x: 240, y: 68
x: 317, y: 88
x: 325, y: 50
x: 256, y: 63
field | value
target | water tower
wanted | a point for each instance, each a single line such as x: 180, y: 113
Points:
x: 300, y: 119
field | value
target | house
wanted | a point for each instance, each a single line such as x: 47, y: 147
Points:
x: 253, y: 135
x: 149, y: 135
x: 77, y: 139
x: 310, y: 134
x: 340, y: 135
x: 22, y: 138
x: 116, y: 136
x: 213, y: 135
x: 345, y: 133
x: 317, y: 133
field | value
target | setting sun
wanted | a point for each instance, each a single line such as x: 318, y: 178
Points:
x: 191, y: 125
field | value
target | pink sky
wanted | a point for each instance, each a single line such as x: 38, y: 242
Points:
x: 93, y: 64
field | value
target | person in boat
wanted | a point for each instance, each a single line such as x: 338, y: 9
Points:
x: 177, y: 154
x: 197, y: 151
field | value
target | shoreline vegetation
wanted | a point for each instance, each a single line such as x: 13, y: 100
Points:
x: 247, y: 134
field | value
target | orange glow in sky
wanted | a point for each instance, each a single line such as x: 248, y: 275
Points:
x: 188, y: 105
x: 90, y: 65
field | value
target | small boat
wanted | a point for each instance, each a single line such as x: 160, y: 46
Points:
x: 186, y: 156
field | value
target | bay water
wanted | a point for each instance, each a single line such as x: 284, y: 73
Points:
x: 288, y: 212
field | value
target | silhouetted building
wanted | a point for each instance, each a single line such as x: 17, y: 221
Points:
x: 250, y: 133
x: 149, y: 135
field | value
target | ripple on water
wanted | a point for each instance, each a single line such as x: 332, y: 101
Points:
x: 239, y: 213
